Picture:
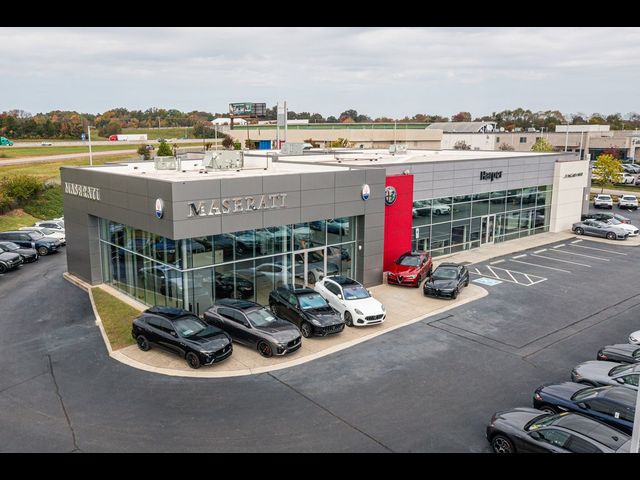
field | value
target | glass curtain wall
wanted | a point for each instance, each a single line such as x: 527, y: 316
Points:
x: 195, y: 272
x: 450, y: 224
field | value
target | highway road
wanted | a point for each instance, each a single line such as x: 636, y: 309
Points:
x: 67, y: 156
x: 78, y: 143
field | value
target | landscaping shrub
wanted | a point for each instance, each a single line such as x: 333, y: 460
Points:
x: 21, y: 187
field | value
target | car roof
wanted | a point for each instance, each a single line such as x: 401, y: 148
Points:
x: 449, y: 264
x: 298, y: 289
x: 593, y: 429
x: 341, y: 280
x: 623, y: 395
x: 413, y: 253
x: 167, y: 312
x: 238, y: 304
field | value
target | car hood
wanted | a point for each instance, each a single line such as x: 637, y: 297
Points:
x: 9, y: 256
x: 596, y: 368
x: 324, y: 316
x: 281, y: 331
x: 210, y: 342
x: 621, y: 348
x: 627, y: 227
x: 518, y: 417
x: 368, y: 306
x: 442, y: 284
x: 562, y: 390
x: 398, y: 269
x: 49, y: 239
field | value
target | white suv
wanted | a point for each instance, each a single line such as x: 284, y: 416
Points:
x: 628, y: 201
x: 603, y: 201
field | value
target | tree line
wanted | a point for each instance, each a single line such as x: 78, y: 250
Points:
x: 71, y: 124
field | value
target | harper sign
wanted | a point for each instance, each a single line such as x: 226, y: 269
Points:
x: 490, y: 175
x: 92, y: 193
x: 224, y: 206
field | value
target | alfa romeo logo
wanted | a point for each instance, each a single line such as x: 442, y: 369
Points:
x: 390, y: 195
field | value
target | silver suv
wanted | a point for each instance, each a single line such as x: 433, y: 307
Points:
x: 628, y: 201
x: 603, y: 201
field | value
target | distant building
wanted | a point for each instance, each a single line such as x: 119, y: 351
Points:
x: 463, y: 127
x: 227, y: 121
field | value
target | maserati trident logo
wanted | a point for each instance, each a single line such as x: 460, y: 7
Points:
x: 365, y: 192
x: 159, y: 208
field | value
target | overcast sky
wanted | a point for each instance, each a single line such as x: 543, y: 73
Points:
x: 376, y: 71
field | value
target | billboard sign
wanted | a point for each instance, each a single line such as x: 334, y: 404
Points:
x: 248, y: 109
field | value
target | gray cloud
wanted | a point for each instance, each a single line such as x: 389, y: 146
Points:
x: 378, y: 71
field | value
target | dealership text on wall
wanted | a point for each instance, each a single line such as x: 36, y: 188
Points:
x: 490, y: 175
x: 237, y: 204
x: 569, y: 175
x: 84, y: 191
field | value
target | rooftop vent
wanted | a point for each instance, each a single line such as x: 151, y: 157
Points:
x: 397, y: 148
x: 223, y: 160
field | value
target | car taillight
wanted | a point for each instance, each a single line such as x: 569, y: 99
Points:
x: 537, y: 396
x: 602, y: 356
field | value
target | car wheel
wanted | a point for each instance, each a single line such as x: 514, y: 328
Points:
x: 265, y: 349
x: 502, y: 444
x: 348, y: 319
x: 454, y: 295
x: 3, y: 268
x: 549, y: 409
x: 43, y: 251
x: 193, y: 360
x: 311, y: 277
x: 611, y: 236
x: 306, y: 329
x: 143, y: 343
x: 437, y: 212
x: 466, y: 282
x: 579, y: 231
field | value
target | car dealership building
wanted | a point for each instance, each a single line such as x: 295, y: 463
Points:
x: 187, y: 231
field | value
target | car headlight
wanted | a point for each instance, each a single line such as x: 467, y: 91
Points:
x: 358, y: 312
x: 411, y: 276
x: 382, y: 306
x: 315, y: 322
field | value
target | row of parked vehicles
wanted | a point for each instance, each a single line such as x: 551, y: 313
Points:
x: 27, y: 244
x: 608, y: 225
x: 294, y: 312
x: 603, y: 200
x: 593, y: 413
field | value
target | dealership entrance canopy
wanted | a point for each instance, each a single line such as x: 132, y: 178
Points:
x: 188, y: 231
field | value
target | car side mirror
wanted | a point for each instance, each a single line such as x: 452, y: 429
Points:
x: 583, y: 405
x: 619, y: 380
x: 340, y: 296
x: 536, y: 435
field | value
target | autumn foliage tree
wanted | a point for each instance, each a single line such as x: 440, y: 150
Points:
x: 542, y: 145
x: 607, y: 169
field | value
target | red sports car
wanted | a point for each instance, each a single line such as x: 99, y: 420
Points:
x: 410, y: 269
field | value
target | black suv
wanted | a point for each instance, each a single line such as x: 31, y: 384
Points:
x: 25, y: 239
x: 181, y: 332
x: 9, y: 261
x: 307, y: 309
x: 28, y: 254
x: 447, y: 280
x: 253, y: 325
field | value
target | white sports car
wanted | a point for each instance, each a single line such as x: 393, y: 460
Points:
x: 632, y: 229
x: 635, y: 338
x: 354, y: 302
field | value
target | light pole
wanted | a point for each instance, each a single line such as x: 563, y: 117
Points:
x: 90, y: 153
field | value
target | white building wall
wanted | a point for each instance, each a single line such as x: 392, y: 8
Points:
x: 568, y: 194
x: 477, y: 141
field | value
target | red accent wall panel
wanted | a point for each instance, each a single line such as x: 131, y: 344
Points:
x: 398, y: 219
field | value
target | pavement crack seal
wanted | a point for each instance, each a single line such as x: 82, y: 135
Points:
x: 331, y: 413
x: 64, y: 409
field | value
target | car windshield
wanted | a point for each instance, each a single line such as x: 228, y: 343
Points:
x: 355, y: 292
x: 188, y: 326
x: 587, y: 393
x: 445, y: 273
x: 409, y: 261
x: 615, y: 221
x: 604, y: 197
x: 543, y: 421
x: 9, y: 246
x: 311, y: 301
x: 619, y: 369
x: 47, y: 231
x: 35, y: 235
x: 628, y: 198
x: 261, y: 318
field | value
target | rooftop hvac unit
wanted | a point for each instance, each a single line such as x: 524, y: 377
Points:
x: 295, y: 148
x: 224, y: 159
x: 165, y: 163
x: 397, y: 149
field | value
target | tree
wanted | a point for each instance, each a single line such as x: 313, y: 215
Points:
x: 352, y: 114
x: 112, y: 128
x: 461, y: 145
x: 227, y: 141
x: 607, y: 170
x: 144, y: 152
x: 164, y: 150
x: 461, y: 117
x: 332, y: 119
x: 339, y: 143
x: 542, y: 145
x: 614, y: 152
x: 250, y: 144
x: 505, y: 147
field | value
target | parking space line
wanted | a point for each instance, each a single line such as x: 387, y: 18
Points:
x: 520, y: 256
x: 497, y: 261
x: 576, y: 241
x: 541, y: 250
x: 558, y: 246
x: 542, y: 266
x: 601, y: 249
x: 581, y: 255
x: 560, y: 260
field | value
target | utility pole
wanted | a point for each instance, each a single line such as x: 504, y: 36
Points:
x: 566, y: 138
x: 286, y: 114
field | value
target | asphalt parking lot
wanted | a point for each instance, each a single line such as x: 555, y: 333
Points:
x: 428, y: 387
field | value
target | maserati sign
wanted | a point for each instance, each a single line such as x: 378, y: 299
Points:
x: 237, y: 204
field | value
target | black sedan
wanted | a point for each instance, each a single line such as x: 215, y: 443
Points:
x: 614, y: 406
x: 183, y: 333
x: 446, y: 281
x: 28, y: 254
x: 527, y: 430
x: 307, y: 309
x: 253, y: 325
x: 622, y: 352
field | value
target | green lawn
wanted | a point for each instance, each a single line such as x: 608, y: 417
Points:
x: 116, y: 318
x: 154, y: 133
x: 16, y: 219
x: 47, y: 205
x: 14, y: 152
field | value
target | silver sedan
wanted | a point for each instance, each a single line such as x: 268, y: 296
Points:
x: 599, y: 229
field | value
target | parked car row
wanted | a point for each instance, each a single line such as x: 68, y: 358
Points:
x: 294, y: 312
x: 27, y: 244
x: 608, y: 225
x: 624, y: 201
x: 593, y: 413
